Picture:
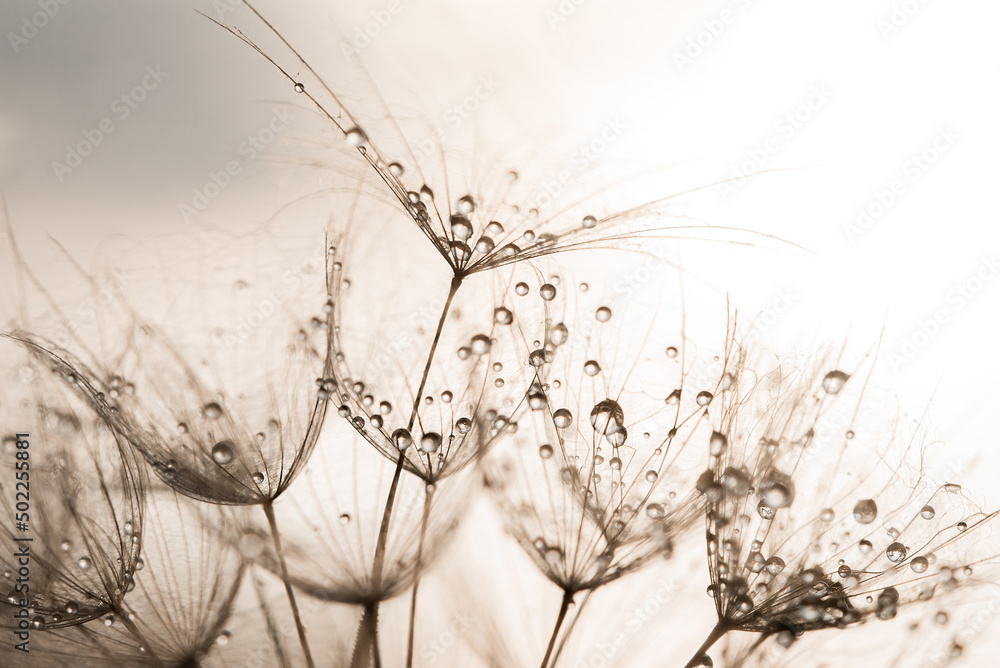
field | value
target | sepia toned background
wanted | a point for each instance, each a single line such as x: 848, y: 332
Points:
x: 860, y: 137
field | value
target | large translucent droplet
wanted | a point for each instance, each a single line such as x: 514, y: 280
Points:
x: 430, y: 443
x: 607, y: 417
x: 865, y: 511
x: 222, y: 452
x: 402, y: 439
x: 356, y: 137
x: 896, y: 552
x: 834, y: 381
x: 481, y: 344
x: 562, y: 418
x: 461, y: 228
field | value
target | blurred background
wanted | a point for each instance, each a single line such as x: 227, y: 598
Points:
x: 858, y: 140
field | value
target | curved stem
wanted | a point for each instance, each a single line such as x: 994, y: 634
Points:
x: 713, y: 637
x: 299, y: 627
x: 567, y: 600
x: 370, y: 615
x: 418, y: 567
x: 572, y: 624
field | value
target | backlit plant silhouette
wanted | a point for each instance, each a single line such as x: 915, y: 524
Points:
x: 441, y: 352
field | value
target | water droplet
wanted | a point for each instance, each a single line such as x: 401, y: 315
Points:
x: 71, y: 607
x: 300, y: 88
x: 485, y: 245
x: 603, y: 314
x: 941, y: 617
x: 503, y: 316
x: 865, y: 546
x: 481, y: 344
x: 704, y: 398
x: 896, y: 552
x: 222, y: 452
x: 395, y: 169
x: 827, y: 515
x: 66, y: 545
x: 461, y: 228
x: 545, y: 451
x: 674, y: 398
x: 258, y: 477
x: 559, y: 334
x: 607, y: 417
x: 430, y: 443
x: 927, y: 512
x: 774, y: 565
x: 466, y: 204
x: 402, y: 439
x: 547, y: 292
x: 717, y: 444
x: 83, y: 563
x: 591, y: 368
x: 961, y: 526
x: 494, y: 229
x: 651, y: 476
x: 345, y: 518
x: 777, y: 490
x: 521, y: 288
x: 463, y: 425
x: 211, y: 411
x: 765, y: 511
x: 865, y: 511
x: 589, y: 222
x: 834, y: 381
x: 919, y: 564
x: 562, y: 418
x: 356, y: 137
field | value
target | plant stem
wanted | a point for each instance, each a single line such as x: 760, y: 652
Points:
x: 713, y: 637
x: 370, y: 615
x: 366, y: 644
x: 269, y: 512
x: 417, y: 568
x: 567, y: 600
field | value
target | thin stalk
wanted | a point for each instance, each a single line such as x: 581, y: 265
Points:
x: 567, y: 600
x: 417, y: 568
x: 713, y: 637
x: 370, y: 616
x: 272, y: 630
x: 572, y: 625
x: 366, y: 643
x: 269, y: 511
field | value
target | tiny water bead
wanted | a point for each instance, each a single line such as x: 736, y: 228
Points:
x: 864, y: 546
x: 607, y: 417
x: 671, y: 352
x: 919, y: 564
x: 562, y: 418
x: 652, y: 476
x: 503, y: 316
x: 395, y: 169
x: 834, y: 381
x: 589, y: 222
x: 655, y: 511
x: 222, y: 452
x: 402, y: 439
x: 300, y: 88
x: 704, y: 398
x: 545, y: 451
x: 865, y: 511
x: 521, y: 289
x: 674, y: 398
x: 83, y: 563
x: 463, y: 425
x: 258, y: 477
x: 717, y: 444
x: 356, y: 137
x: 896, y: 552
x: 603, y: 314
x: 481, y: 344
x: 547, y: 292
x: 485, y: 245
x: 927, y: 512
x: 465, y: 204
x: 591, y: 368
x: 211, y: 411
x: 461, y: 228
x: 344, y: 518
x: 430, y: 443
